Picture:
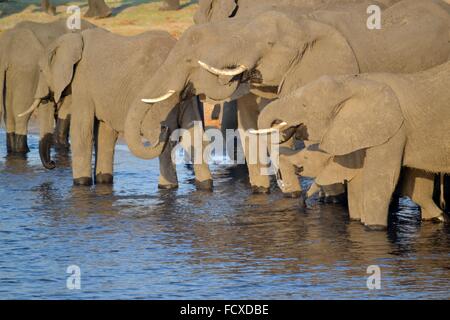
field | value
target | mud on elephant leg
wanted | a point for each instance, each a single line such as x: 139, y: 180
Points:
x: 167, y: 170
x: 192, y: 122
x: 248, y: 111
x: 104, y: 153
x: 10, y: 142
x: 46, y: 126
x: 20, y: 137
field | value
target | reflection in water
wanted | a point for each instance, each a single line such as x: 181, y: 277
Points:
x: 134, y: 241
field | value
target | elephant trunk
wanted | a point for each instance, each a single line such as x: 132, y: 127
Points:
x: 132, y: 134
x: 45, y: 145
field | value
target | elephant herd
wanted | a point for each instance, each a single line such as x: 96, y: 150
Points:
x: 370, y: 105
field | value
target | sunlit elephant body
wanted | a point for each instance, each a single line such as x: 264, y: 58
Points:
x: 319, y: 165
x: 371, y: 126
x: 104, y: 74
x: 278, y: 51
x: 20, y: 49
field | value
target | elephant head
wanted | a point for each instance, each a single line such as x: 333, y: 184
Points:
x: 343, y: 114
x: 270, y: 51
x: 57, y: 66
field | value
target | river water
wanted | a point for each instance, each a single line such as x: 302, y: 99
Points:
x: 135, y: 241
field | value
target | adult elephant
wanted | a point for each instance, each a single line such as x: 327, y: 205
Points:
x: 104, y: 73
x: 20, y: 49
x: 216, y: 10
x: 97, y: 8
x: 371, y: 126
x: 278, y: 51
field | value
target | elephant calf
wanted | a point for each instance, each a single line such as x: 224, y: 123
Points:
x: 389, y: 121
x: 314, y: 163
x: 104, y: 74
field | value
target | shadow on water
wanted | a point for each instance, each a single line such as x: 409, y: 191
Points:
x: 132, y: 240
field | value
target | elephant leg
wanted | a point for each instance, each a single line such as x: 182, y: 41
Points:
x: 81, y: 133
x: 203, y: 178
x: 9, y: 142
x: 98, y: 9
x: 167, y: 170
x: 419, y: 186
x: 355, y: 198
x: 248, y: 111
x: 291, y: 186
x: 381, y: 172
x: 63, y: 125
x: 20, y: 137
x: 104, y: 153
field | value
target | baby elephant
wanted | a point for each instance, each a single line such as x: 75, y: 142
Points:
x: 327, y: 170
x: 104, y: 74
x: 389, y: 121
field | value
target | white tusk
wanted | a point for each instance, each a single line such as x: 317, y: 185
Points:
x: 275, y: 128
x: 223, y: 72
x: 33, y: 107
x: 159, y: 99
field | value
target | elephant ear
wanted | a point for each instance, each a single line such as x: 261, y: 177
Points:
x: 340, y: 169
x: 322, y: 50
x: 369, y: 117
x: 59, y: 62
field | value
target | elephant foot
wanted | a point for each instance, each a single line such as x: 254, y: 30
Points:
x: 167, y: 186
x: 260, y: 190
x: 104, y: 178
x: 10, y: 140
x: 83, y: 181
x: 206, y: 185
x: 375, y: 227
x: 293, y: 195
x: 20, y: 144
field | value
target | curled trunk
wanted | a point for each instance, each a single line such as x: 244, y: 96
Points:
x: 132, y: 133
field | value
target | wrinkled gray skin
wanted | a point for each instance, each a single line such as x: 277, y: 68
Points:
x: 372, y: 125
x: 321, y: 166
x: 20, y: 49
x: 104, y: 73
x: 285, y: 49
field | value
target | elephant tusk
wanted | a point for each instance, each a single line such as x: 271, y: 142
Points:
x: 312, y: 190
x: 159, y: 99
x: 223, y: 72
x: 33, y: 107
x: 275, y: 128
